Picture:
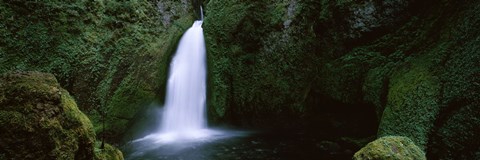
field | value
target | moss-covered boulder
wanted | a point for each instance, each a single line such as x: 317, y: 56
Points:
x: 40, y: 120
x: 112, y: 56
x: 390, y: 148
x: 108, y: 152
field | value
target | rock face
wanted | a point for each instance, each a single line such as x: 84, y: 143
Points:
x: 434, y: 96
x: 40, y: 120
x: 391, y: 148
x: 412, y: 66
x: 112, y: 56
x: 394, y: 67
x: 270, y: 58
x: 287, y: 60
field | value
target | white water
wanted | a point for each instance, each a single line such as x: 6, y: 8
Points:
x: 183, y: 124
x: 186, y: 91
x: 184, y: 117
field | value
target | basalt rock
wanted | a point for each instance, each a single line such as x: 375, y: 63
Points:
x: 112, y: 56
x: 391, y: 148
x: 40, y: 120
x: 410, y: 65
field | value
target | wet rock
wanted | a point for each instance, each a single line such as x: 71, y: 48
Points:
x: 108, y: 153
x: 37, y: 122
x: 40, y: 120
x: 390, y: 147
x: 170, y: 10
x: 367, y: 16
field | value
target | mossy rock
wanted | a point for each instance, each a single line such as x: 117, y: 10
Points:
x: 266, y: 57
x: 412, y: 102
x: 112, y: 56
x: 390, y: 148
x: 40, y: 120
x: 341, y: 78
x: 455, y: 135
x: 433, y: 94
x: 109, y: 152
x: 244, y: 36
x: 142, y: 85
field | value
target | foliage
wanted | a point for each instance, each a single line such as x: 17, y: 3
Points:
x: 416, y: 62
x: 108, y: 153
x: 111, y: 55
x: 39, y: 120
x: 267, y: 57
x: 341, y: 76
x: 259, y: 58
x: 271, y: 63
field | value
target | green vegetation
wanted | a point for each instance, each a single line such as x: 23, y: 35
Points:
x: 259, y: 64
x: 390, y: 148
x: 272, y: 64
x: 412, y: 103
x: 111, y: 55
x: 39, y: 120
x: 108, y: 153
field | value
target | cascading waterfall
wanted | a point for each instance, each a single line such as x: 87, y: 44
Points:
x: 184, y: 117
x: 183, y: 120
x: 186, y: 90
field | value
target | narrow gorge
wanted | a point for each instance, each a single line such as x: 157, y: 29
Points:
x: 239, y: 79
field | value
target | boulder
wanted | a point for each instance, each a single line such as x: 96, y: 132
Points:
x: 391, y: 148
x: 40, y: 120
x: 108, y: 153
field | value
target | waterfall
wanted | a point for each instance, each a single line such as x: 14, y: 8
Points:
x: 186, y: 87
x: 201, y: 13
x: 184, y: 115
x: 184, y: 118
x: 183, y: 122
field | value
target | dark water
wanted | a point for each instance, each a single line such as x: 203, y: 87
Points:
x: 265, y: 146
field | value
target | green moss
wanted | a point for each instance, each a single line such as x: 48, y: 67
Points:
x: 260, y: 34
x: 413, y: 102
x: 126, y: 101
x: 340, y: 78
x: 142, y: 83
x: 16, y: 119
x: 457, y: 124
x: 456, y: 134
x: 390, y: 148
x: 96, y: 49
x: 40, y: 120
x: 108, y: 153
x: 375, y: 87
x: 219, y: 23
x: 75, y: 116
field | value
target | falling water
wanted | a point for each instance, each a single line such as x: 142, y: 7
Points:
x: 183, y: 122
x: 184, y: 117
x: 186, y: 91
